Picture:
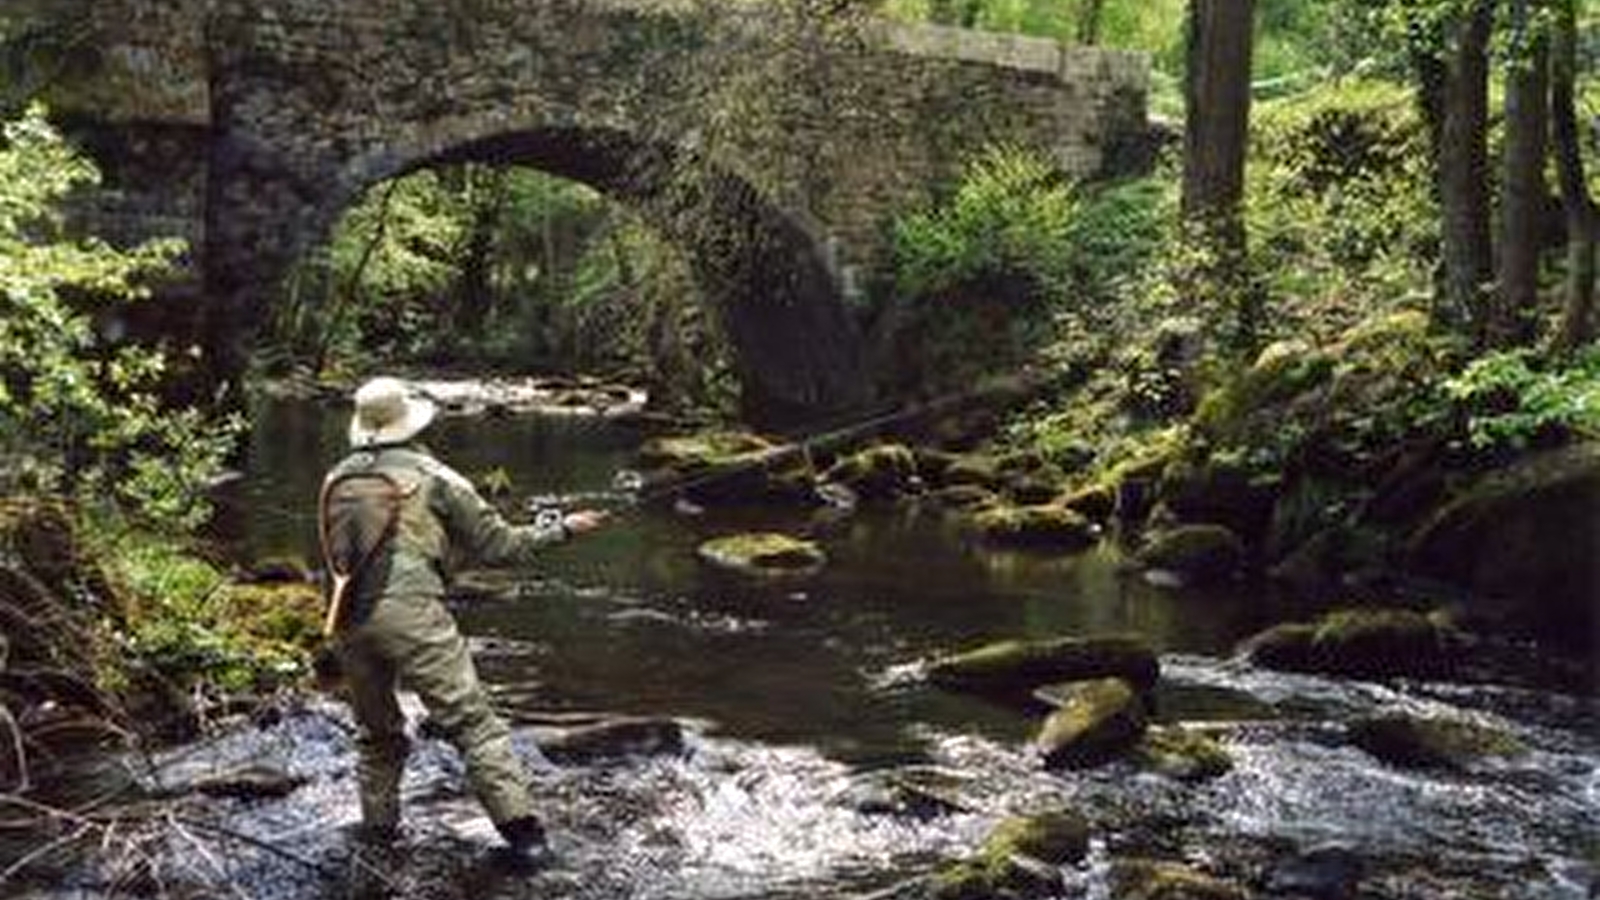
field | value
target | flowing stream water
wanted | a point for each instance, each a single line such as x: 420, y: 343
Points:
x: 801, y: 702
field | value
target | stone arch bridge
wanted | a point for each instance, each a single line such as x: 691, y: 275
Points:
x: 772, y: 148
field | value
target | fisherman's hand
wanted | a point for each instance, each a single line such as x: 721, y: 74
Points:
x: 583, y: 520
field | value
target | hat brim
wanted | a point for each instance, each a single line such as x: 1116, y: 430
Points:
x: 419, y: 412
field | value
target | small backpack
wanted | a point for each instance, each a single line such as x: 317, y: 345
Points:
x: 358, y: 514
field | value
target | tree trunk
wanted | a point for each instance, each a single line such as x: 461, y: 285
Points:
x: 1089, y: 22
x: 1464, y: 169
x: 1577, y: 317
x: 1217, y: 106
x: 1522, y: 196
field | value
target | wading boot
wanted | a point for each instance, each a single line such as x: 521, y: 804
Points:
x: 526, y: 849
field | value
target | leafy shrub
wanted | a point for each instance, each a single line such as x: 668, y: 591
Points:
x: 1341, y: 213
x: 1513, y: 399
x: 78, y: 411
x: 1009, y: 223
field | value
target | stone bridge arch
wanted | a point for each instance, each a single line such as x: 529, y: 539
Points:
x: 765, y: 273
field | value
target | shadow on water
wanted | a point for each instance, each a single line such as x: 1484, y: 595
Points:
x: 799, y: 698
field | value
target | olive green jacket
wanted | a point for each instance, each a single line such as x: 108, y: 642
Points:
x: 443, y: 525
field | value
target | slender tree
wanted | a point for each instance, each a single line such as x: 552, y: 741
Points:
x: 1522, y: 182
x: 1463, y: 165
x: 1217, y: 108
x: 1577, y: 319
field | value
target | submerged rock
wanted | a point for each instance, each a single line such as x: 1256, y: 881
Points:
x: 1360, y: 643
x: 615, y: 739
x: 1098, y: 720
x: 1197, y: 554
x: 763, y: 555
x: 1181, y: 754
x: 1015, y: 668
x: 255, y: 782
x: 1431, y: 743
x: 919, y: 792
x: 1022, y: 857
x: 1149, y: 879
x: 1324, y: 872
x: 1043, y: 527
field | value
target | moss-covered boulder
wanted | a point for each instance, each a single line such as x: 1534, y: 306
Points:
x: 1197, y: 554
x: 1034, y: 527
x: 1148, y: 879
x: 1182, y: 754
x: 1014, y: 669
x: 763, y: 555
x: 1526, y: 538
x: 1431, y: 743
x: 884, y: 472
x: 1032, y: 489
x: 1021, y: 857
x: 1360, y: 643
x: 728, y: 468
x: 1098, y: 721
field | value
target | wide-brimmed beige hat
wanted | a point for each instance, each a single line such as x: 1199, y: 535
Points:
x: 388, y: 412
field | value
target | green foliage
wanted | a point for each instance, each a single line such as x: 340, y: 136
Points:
x: 1010, y: 220
x: 1513, y: 399
x: 188, y: 622
x: 1341, y: 214
x: 78, y: 411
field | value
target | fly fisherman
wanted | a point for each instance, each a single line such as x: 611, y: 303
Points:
x: 395, y: 522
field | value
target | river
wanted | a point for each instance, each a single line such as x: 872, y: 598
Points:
x: 799, y: 699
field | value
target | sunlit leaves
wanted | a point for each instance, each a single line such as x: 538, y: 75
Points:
x: 78, y: 410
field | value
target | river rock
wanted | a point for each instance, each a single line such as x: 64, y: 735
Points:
x: 1097, y: 721
x: 918, y: 792
x: 257, y: 782
x: 1149, y: 879
x: 1431, y: 743
x: 728, y: 467
x: 1015, y: 668
x: 1196, y: 554
x: 1528, y: 537
x: 1324, y: 872
x: 1359, y: 643
x: 1212, y: 492
x: 764, y: 555
x: 1039, y: 527
x: 615, y: 739
x: 1182, y: 754
x: 884, y: 472
x: 968, y: 497
x: 1021, y: 858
